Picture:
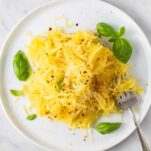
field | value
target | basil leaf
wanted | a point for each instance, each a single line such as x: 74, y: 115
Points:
x: 60, y: 83
x: 16, y: 92
x: 121, y: 32
x: 122, y: 50
x: 21, y: 66
x: 31, y: 117
x: 105, y: 30
x: 105, y: 127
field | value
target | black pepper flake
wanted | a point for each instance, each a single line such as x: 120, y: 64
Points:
x: 84, y: 71
x: 82, y: 114
x: 55, y: 116
x: 77, y: 24
x: 96, y: 107
x: 69, y: 103
x: 76, y: 109
x: 84, y: 139
x: 47, y: 112
x: 52, y: 76
x: 50, y: 28
x: 47, y: 81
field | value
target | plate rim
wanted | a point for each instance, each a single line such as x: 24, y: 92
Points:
x: 3, y: 50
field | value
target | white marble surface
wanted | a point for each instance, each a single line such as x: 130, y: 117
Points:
x: 11, y: 11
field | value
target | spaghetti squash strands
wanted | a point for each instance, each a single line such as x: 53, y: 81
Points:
x: 91, y: 76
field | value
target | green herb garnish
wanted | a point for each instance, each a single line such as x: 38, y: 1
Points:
x: 59, y: 83
x: 21, y: 66
x: 121, y: 32
x: 31, y: 117
x: 105, y: 127
x: 105, y: 30
x: 16, y: 92
x: 122, y: 48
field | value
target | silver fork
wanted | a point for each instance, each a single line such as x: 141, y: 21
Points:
x: 126, y: 101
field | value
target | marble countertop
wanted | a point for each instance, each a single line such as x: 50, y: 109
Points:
x: 11, y: 11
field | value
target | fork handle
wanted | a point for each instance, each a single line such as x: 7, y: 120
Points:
x: 145, y: 145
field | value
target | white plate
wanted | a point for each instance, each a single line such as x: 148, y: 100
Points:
x: 53, y: 135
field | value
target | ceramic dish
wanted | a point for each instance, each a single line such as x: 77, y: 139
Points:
x: 87, y: 13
